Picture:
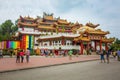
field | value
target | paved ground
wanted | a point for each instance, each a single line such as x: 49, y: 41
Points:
x: 8, y: 64
x: 92, y: 70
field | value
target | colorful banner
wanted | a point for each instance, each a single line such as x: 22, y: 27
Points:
x: 0, y: 45
x: 9, y: 44
x: 27, y: 41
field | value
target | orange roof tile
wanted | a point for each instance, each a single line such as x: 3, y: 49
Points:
x: 85, y: 39
x: 108, y: 40
x: 48, y: 17
x: 92, y: 25
x: 28, y: 18
x: 82, y: 39
x: 98, y: 32
x: 46, y: 27
x: 26, y: 24
x: 61, y: 21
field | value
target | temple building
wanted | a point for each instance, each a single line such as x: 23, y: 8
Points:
x: 92, y: 38
x: 58, y: 34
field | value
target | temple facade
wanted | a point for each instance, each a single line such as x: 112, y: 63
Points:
x: 58, y: 34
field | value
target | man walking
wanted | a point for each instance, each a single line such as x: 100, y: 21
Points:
x: 118, y: 55
x: 27, y: 53
x: 108, y: 55
x: 70, y: 54
x: 1, y: 53
x: 102, y: 53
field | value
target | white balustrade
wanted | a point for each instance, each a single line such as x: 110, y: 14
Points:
x: 57, y: 47
x: 59, y: 35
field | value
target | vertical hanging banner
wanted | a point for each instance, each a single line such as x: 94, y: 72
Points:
x: 30, y: 37
x: 5, y: 44
x: 32, y: 42
x: 9, y: 44
x: 14, y: 45
x: 18, y: 44
x: 24, y: 42
x: 27, y: 41
x: 0, y: 45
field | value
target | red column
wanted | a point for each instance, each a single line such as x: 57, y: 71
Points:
x: 100, y: 45
x: 81, y: 50
x: 62, y: 41
x: 95, y: 45
x: 106, y: 46
x: 50, y: 43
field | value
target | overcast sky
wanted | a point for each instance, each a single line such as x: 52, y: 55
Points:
x: 103, y: 12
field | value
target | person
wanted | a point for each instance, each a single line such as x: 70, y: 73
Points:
x: 46, y: 52
x: 17, y: 56
x: 22, y: 55
x: 11, y: 52
x: 53, y: 52
x: 15, y: 51
x: 114, y: 54
x: 77, y: 53
x: 102, y: 58
x: 27, y: 53
x: 37, y: 51
x: 70, y: 54
x: 118, y: 55
x: 108, y: 55
x: 1, y: 53
x: 84, y: 52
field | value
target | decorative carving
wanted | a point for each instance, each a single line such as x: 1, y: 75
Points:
x: 92, y: 25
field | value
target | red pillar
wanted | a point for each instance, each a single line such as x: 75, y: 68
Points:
x: 95, y: 45
x: 100, y: 45
x: 106, y: 46
x: 63, y: 41
x: 50, y: 43
x: 81, y: 46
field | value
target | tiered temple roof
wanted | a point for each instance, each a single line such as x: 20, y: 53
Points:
x: 49, y: 18
x: 62, y: 21
x: 49, y: 23
x: 92, y: 25
x: 91, y: 30
x: 27, y: 21
x: 28, y: 18
x: 108, y: 40
x: 47, y: 27
x: 28, y: 24
x: 86, y: 30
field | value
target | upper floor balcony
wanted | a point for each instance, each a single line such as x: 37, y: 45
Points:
x: 59, y: 35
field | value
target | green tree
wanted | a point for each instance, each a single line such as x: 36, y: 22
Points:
x: 117, y: 41
x: 7, y: 29
x: 116, y: 44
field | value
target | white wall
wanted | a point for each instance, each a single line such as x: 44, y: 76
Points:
x: 29, y: 29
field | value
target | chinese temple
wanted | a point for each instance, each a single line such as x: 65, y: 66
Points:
x: 52, y: 33
x: 92, y: 38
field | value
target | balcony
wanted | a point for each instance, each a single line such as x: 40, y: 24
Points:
x: 59, y: 35
x: 57, y: 47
